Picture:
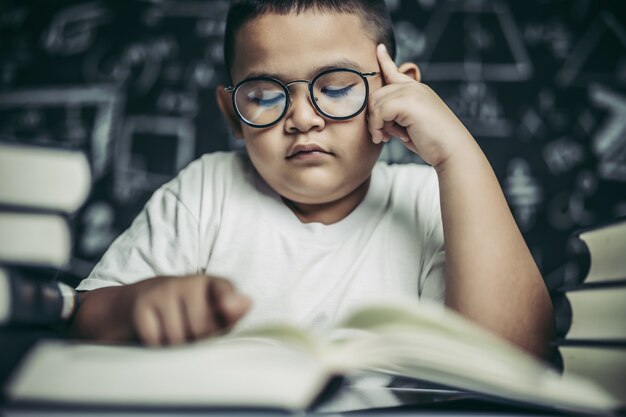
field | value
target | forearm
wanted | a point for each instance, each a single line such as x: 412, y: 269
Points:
x: 104, y: 314
x: 491, y: 276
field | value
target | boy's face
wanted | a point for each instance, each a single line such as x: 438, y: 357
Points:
x: 294, y: 47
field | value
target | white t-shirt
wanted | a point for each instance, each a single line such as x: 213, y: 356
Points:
x: 219, y: 217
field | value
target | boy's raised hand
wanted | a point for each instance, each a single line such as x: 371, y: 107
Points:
x: 409, y: 110
x: 174, y: 310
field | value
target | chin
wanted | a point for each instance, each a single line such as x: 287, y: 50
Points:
x: 319, y: 192
x: 310, y: 192
x: 316, y: 196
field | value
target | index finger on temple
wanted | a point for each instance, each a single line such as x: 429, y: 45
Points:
x: 387, y: 66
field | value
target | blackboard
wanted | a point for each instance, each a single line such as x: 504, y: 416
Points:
x: 541, y: 84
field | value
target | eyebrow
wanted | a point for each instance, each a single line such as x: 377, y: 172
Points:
x: 341, y: 63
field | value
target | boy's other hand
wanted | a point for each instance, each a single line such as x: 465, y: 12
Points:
x: 409, y: 110
x: 175, y: 310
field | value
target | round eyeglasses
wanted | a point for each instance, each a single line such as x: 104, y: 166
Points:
x: 338, y: 94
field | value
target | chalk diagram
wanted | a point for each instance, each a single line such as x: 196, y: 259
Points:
x: 475, y: 44
x: 609, y: 142
x: 599, y: 55
x: 596, y: 66
x: 523, y: 192
x: 73, y: 30
x: 137, y: 170
x: 493, y: 47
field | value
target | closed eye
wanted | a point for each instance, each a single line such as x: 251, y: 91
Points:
x: 337, y: 92
x: 267, y: 99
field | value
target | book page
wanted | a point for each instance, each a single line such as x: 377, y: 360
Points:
x: 426, y: 342
x: 243, y: 371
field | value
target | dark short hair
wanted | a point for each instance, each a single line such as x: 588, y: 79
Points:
x: 373, y: 13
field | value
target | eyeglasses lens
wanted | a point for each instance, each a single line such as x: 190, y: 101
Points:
x: 339, y: 93
x: 261, y: 102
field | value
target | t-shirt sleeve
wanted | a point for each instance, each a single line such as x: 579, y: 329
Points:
x: 162, y: 240
x: 432, y: 276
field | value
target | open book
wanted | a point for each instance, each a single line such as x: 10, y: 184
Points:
x: 280, y: 366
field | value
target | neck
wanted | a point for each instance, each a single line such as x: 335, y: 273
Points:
x: 331, y: 212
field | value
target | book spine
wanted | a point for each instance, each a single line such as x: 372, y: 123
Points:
x: 33, y: 302
x: 562, y: 314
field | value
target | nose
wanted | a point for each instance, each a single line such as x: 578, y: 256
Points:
x: 302, y: 116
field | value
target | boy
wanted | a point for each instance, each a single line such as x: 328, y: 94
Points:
x: 308, y: 223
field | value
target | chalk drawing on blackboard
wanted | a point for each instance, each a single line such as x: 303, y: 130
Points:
x: 211, y: 27
x: 203, y: 74
x: 587, y: 183
x: 208, y: 21
x: 136, y: 65
x: 585, y: 122
x: 524, y: 193
x: 553, y: 34
x: 557, y: 117
x: 542, y: 118
x: 615, y: 167
x: 599, y: 55
x: 568, y: 209
x: 73, y: 30
x: 478, y: 107
x: 410, y: 42
x: 63, y: 116
x: 214, y: 10
x: 531, y: 126
x: 559, y: 210
x: 562, y: 155
x: 150, y: 151
x: 177, y: 102
x: 609, y: 141
x: 474, y: 40
x: 192, y: 75
x: 97, y: 221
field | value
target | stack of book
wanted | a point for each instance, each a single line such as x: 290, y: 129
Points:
x: 40, y: 189
x: 590, y: 308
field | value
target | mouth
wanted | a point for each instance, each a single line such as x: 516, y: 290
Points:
x: 307, y: 151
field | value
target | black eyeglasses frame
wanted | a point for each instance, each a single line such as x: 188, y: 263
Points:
x: 285, y: 87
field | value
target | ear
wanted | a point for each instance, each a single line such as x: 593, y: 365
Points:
x: 224, y: 101
x: 412, y: 70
